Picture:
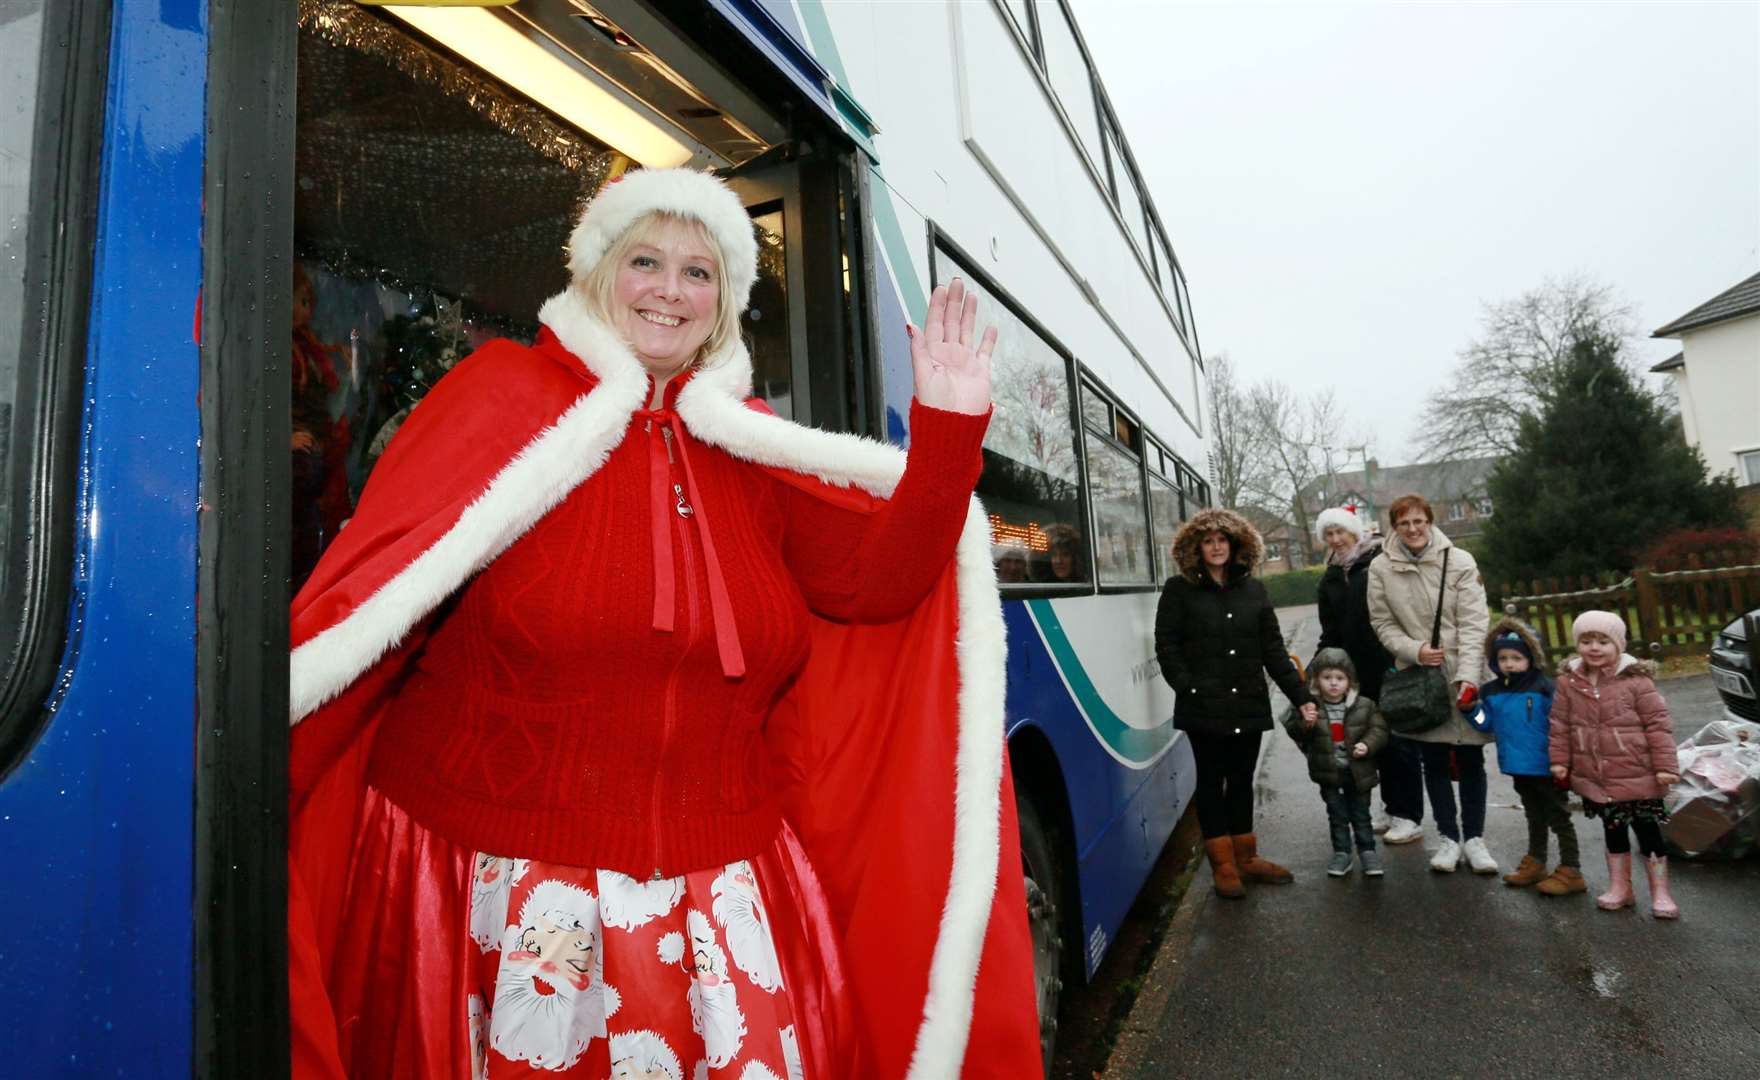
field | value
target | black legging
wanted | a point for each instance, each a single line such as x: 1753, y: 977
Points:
x: 1619, y: 842
x: 1225, y: 782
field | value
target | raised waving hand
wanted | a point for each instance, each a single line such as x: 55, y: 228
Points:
x: 951, y: 374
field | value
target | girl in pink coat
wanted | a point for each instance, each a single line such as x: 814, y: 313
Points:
x: 1612, y: 738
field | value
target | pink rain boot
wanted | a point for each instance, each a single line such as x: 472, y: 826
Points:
x: 1662, y: 905
x: 1618, y: 894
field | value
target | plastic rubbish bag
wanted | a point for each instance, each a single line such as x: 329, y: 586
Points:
x: 1714, y: 811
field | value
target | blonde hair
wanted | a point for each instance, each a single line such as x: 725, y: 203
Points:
x: 600, y: 283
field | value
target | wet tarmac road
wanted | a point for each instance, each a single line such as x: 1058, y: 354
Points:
x: 1444, y: 975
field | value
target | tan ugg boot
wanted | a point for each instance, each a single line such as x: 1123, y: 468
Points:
x: 1527, y: 872
x: 1563, y: 881
x: 1254, y: 868
x: 1226, y: 877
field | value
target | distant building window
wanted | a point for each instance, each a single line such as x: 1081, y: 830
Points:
x: 1483, y: 506
x: 1273, y: 552
x: 1457, y: 511
x: 1750, y: 466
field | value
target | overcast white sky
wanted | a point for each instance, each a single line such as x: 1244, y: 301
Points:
x: 1345, y: 184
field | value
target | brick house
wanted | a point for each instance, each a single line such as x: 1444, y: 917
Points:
x: 1456, y: 490
x: 1283, y: 548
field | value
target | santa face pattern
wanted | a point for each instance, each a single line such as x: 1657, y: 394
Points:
x: 741, y: 914
x: 594, y: 973
x: 492, y: 879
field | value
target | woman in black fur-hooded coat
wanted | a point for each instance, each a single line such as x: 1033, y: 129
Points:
x: 1216, y: 636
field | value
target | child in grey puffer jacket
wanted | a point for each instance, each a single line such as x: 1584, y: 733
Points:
x: 1341, y: 750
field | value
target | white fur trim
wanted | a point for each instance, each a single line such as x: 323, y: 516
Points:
x: 528, y: 487
x: 684, y: 192
x: 1343, y: 518
x: 712, y: 405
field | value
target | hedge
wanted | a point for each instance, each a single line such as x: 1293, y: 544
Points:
x: 1295, y: 588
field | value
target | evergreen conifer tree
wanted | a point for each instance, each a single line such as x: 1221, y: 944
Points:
x: 1598, y: 474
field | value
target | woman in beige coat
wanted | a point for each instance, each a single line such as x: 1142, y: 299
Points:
x: 1403, y: 588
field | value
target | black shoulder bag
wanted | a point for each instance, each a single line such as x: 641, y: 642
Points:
x: 1416, y: 699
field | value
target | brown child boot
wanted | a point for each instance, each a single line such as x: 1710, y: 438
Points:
x: 1563, y: 881
x: 1527, y: 872
x: 1222, y: 869
x: 1252, y: 867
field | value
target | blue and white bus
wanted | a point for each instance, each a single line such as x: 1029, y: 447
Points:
x: 203, y: 202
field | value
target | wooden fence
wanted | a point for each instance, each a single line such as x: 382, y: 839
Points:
x: 1667, y: 612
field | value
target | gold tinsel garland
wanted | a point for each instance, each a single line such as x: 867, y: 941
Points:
x: 341, y: 23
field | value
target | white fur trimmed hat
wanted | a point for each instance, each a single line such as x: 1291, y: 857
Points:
x: 683, y: 192
x: 1343, y: 518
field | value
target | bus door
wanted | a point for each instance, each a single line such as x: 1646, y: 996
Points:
x: 806, y: 209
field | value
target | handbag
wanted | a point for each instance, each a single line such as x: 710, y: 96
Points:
x: 1416, y: 699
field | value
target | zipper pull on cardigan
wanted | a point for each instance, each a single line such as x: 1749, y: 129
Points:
x: 663, y: 424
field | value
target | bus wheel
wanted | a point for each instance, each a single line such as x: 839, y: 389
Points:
x: 1044, y: 920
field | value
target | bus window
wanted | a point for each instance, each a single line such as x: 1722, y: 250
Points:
x: 1165, y: 517
x: 1165, y: 514
x: 1021, y: 11
x: 49, y: 133
x: 1070, y: 77
x: 20, y: 43
x: 1031, y: 485
x: 1115, y: 487
x: 1096, y: 410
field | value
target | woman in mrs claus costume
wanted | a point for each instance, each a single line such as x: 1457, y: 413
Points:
x: 637, y: 728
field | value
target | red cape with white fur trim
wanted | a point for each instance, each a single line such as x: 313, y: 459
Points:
x: 899, y: 789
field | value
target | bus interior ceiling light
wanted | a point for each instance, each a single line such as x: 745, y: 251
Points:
x: 480, y: 37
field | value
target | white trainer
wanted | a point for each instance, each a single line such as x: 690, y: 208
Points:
x: 1403, y: 831
x: 1479, y: 856
x: 1379, y: 820
x: 1447, y: 857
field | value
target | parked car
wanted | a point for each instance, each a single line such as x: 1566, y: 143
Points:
x: 1732, y: 669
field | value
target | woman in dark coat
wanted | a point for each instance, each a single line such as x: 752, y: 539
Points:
x: 1344, y: 597
x: 1216, y: 637
x: 1344, y: 624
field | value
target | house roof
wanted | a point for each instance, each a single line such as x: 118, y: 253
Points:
x: 1270, y: 526
x: 1673, y: 363
x: 1742, y: 298
x: 1437, y: 481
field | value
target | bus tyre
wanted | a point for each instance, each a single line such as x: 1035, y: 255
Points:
x: 1045, y: 919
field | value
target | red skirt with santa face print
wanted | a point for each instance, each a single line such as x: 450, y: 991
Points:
x: 460, y: 965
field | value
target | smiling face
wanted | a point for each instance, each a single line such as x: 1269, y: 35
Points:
x: 1216, y: 548
x: 564, y: 943
x: 1338, y: 538
x: 1414, y: 529
x: 660, y: 287
x: 1597, y: 650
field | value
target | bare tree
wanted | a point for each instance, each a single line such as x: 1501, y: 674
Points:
x: 1291, y: 432
x: 1509, y: 370
x: 1234, y: 439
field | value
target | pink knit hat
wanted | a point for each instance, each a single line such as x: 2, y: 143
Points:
x: 1601, y: 622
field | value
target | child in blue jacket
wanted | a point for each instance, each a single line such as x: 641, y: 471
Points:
x: 1516, y: 707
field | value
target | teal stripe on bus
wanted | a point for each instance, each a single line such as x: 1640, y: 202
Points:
x: 1135, y: 745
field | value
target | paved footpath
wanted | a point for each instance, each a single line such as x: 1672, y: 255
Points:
x: 1423, y: 974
